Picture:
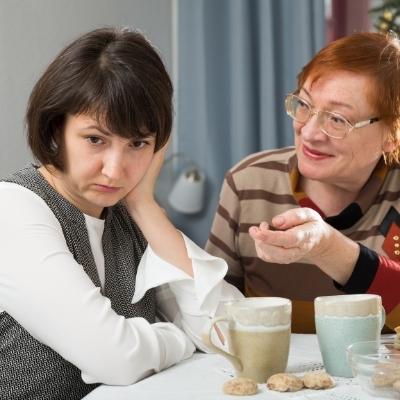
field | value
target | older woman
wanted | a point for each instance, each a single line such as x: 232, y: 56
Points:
x: 322, y: 217
x: 85, y: 249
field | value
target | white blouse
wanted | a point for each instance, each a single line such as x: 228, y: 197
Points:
x: 49, y: 294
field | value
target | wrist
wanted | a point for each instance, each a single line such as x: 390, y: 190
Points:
x: 339, y: 258
x: 144, y: 207
x: 324, y: 247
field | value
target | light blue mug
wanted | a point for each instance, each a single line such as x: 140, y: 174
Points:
x: 342, y: 320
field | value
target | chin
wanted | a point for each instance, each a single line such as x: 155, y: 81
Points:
x: 105, y: 202
x: 312, y: 172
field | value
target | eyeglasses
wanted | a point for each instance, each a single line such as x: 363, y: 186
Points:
x: 332, y: 124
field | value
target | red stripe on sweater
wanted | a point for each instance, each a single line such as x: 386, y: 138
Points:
x: 387, y: 283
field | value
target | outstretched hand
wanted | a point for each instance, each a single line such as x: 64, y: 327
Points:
x: 300, y: 235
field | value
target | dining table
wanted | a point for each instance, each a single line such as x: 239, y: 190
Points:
x: 202, y: 376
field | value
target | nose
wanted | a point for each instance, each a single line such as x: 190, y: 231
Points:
x: 112, y: 166
x: 311, y: 130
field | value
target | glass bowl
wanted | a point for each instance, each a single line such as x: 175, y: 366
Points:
x: 376, y: 365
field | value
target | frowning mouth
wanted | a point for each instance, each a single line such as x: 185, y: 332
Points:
x: 107, y: 189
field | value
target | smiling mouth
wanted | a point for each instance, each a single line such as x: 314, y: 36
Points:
x: 314, y: 154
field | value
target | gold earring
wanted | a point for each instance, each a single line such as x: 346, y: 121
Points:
x: 384, y: 158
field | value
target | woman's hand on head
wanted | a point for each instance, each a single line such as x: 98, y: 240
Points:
x: 143, y: 192
x: 300, y: 235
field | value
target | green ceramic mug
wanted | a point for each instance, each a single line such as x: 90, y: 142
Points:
x: 342, y: 320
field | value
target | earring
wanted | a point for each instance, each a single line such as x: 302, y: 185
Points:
x: 54, y: 146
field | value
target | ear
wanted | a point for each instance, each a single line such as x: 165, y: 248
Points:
x: 389, y: 146
x: 390, y: 143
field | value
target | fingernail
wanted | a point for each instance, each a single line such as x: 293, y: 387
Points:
x: 279, y: 220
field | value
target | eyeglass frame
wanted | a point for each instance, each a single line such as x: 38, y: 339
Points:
x: 315, y: 111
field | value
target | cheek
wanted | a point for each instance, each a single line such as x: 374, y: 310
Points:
x: 367, y: 144
x: 145, y: 164
x: 365, y: 151
x: 86, y: 166
x: 297, y: 131
x: 139, y: 166
x: 77, y: 161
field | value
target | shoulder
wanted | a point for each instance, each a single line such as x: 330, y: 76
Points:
x: 390, y: 189
x: 392, y: 180
x: 253, y: 169
x: 267, y: 159
x: 18, y: 203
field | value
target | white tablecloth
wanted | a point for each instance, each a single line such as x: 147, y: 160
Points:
x: 202, y: 376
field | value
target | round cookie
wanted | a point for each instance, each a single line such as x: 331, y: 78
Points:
x: 284, y: 383
x: 318, y: 380
x: 240, y: 387
x: 385, y: 374
x: 396, y: 385
x: 397, y: 338
x: 380, y: 380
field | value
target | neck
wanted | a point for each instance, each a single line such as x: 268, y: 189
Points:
x: 331, y: 199
x: 48, y: 172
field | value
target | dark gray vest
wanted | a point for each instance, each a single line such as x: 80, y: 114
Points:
x: 29, y: 370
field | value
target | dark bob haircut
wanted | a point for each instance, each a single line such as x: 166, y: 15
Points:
x: 113, y: 75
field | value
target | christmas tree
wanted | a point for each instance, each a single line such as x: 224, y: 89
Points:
x: 388, y: 16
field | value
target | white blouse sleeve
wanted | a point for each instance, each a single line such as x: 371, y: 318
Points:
x: 47, y: 292
x: 188, y: 302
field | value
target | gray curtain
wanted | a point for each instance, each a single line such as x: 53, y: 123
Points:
x: 237, y: 60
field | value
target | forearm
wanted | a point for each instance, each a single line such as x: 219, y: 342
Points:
x: 376, y: 274
x: 69, y: 314
x: 190, y: 303
x: 165, y: 240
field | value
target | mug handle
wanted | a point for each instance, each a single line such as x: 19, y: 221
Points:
x: 383, y: 313
x: 235, y: 361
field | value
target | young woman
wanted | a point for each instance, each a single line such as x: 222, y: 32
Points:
x: 85, y: 248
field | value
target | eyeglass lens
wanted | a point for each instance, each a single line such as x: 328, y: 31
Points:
x: 330, y: 123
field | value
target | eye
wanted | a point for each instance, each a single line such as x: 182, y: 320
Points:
x: 301, y: 109
x: 139, y: 144
x: 302, y: 104
x: 336, y: 121
x: 95, y: 140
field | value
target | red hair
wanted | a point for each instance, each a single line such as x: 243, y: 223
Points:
x: 375, y: 55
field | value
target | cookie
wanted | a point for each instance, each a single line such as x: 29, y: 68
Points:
x: 240, y: 387
x: 284, y: 383
x: 383, y: 379
x: 385, y: 374
x: 396, y: 385
x: 397, y: 338
x: 318, y: 380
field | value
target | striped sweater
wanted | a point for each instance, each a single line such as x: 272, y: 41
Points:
x: 264, y: 185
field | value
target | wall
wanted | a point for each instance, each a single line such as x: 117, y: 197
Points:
x: 32, y: 32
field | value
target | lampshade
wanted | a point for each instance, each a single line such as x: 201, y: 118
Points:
x: 187, y: 194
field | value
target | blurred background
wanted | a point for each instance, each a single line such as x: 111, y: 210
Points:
x: 232, y: 63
